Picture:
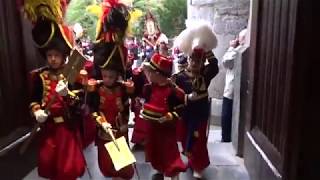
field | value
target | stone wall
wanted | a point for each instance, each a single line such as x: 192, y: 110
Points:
x: 238, y: 125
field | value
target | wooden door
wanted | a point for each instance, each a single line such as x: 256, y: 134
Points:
x: 13, y: 94
x: 273, y: 88
x: 17, y: 56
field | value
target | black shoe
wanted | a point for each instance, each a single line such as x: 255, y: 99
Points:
x: 157, y: 176
x: 225, y: 140
x: 137, y: 147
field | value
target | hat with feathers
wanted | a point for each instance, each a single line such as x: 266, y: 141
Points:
x: 48, y: 30
x: 113, y: 22
x: 197, y: 40
x: 109, y: 50
x: 108, y: 55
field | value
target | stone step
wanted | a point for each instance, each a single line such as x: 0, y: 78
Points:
x: 224, y: 164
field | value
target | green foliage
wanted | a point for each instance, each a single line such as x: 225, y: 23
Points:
x: 172, y: 17
x: 170, y: 14
x: 145, y: 5
x: 77, y: 13
x: 138, y: 28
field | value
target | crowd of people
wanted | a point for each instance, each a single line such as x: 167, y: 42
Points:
x: 167, y: 93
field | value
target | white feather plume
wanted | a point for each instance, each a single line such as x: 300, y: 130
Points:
x: 200, y: 35
x: 184, y: 41
x: 204, y: 38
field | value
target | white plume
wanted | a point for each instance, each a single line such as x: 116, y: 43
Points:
x: 184, y: 41
x: 200, y: 35
x: 204, y: 38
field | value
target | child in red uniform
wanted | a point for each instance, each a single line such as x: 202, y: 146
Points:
x: 140, y: 126
x: 163, y: 104
x: 111, y: 99
x: 53, y: 107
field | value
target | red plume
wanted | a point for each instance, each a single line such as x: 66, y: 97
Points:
x: 64, y: 5
x: 198, y: 53
x: 107, y: 5
x: 114, y: 19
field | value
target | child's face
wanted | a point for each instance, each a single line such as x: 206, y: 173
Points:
x: 195, y: 64
x: 156, y: 77
x: 109, y: 77
x: 55, y: 58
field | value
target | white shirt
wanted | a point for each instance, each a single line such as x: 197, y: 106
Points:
x: 228, y: 62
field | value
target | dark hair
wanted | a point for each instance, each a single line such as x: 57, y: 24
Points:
x: 58, y: 45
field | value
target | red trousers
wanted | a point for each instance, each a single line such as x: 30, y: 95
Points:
x: 140, y: 129
x: 162, y: 149
x: 89, y: 131
x: 106, y: 165
x: 179, y: 130
x: 60, y: 153
x: 198, y: 157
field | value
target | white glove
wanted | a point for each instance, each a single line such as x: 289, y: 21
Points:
x: 62, y: 88
x: 41, y: 116
x: 106, y: 125
x: 141, y: 100
x: 192, y: 96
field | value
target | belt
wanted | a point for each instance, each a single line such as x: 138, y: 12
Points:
x: 58, y: 119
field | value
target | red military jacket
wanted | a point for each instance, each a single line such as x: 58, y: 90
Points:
x: 43, y: 92
x: 167, y: 99
x: 105, y: 99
